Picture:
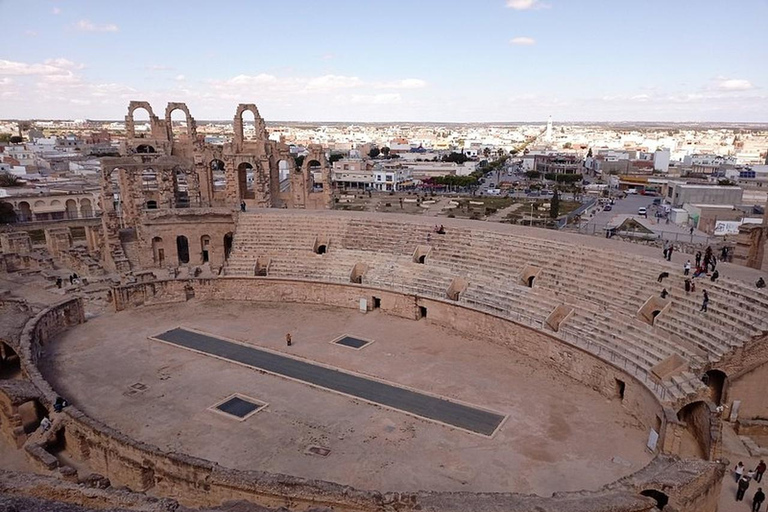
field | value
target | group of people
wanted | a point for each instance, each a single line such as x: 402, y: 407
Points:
x: 742, y: 481
x: 73, y: 279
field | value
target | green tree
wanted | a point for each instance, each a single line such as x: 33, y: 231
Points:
x: 458, y: 158
x: 487, y: 152
x: 16, y: 139
x: 374, y: 152
x: 385, y: 151
x: 5, y: 137
x: 533, y: 175
x: 554, y: 205
x: 9, y: 180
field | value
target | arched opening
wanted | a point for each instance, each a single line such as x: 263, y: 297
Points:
x: 227, y: 245
x: 530, y: 281
x: 715, y: 380
x: 218, y: 175
x: 86, y: 208
x: 10, y: 364
x: 151, y: 205
x: 284, y: 169
x: 182, y: 249
x: 141, y: 125
x: 180, y: 188
x: 321, y: 249
x: 422, y: 259
x: 25, y: 212
x: 315, y: 175
x: 205, y: 244
x: 249, y: 125
x: 695, y: 440
x: 245, y: 179
x: 661, y: 498
x: 144, y: 148
x: 113, y: 190
x: 70, y: 209
x: 158, y: 251
x: 31, y: 413
x: 654, y: 314
x: 178, y: 124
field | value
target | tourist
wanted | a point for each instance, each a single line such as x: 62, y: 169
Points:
x: 663, y: 276
x: 687, y: 286
x: 242, y: 206
x: 693, y: 286
x: 664, y: 293
x: 687, y: 268
x: 743, y: 486
x: 698, y: 259
x: 691, y: 230
x: 739, y: 470
x: 760, y: 282
x: 288, y: 339
x: 45, y: 424
x: 669, y: 253
x: 724, y: 253
x: 58, y: 282
x: 59, y: 404
x: 441, y: 231
x: 665, y: 252
x: 715, y: 275
x: 704, y: 304
x: 759, y: 470
x: 758, y: 499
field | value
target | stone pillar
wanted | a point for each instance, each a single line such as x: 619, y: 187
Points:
x: 17, y: 243
x: 58, y: 240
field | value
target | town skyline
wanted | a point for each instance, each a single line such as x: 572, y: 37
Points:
x: 490, y: 62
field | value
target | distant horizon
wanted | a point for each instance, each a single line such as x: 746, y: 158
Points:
x: 432, y: 61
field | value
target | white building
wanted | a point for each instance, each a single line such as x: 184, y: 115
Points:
x: 391, y: 178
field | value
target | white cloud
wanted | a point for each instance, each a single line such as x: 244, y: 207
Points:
x: 524, y: 5
x: 522, y: 41
x: 56, y: 10
x: 334, y: 82
x: 260, y: 79
x: 158, y: 67
x: 180, y: 78
x: 88, y: 26
x: 376, y: 99
x: 50, y: 67
x: 733, y: 84
x: 30, y: 33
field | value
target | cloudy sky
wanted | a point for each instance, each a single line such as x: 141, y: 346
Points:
x: 395, y: 60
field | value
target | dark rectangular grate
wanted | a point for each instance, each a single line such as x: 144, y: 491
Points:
x: 349, y: 341
x: 238, y: 407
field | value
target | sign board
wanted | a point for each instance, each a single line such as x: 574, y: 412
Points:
x: 726, y: 227
x: 363, y: 305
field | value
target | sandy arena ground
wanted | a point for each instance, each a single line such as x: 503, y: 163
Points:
x: 559, y: 435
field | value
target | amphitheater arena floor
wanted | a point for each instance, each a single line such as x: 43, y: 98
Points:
x: 559, y: 435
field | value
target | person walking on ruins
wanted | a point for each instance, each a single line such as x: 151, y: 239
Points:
x: 663, y: 276
x: 743, y: 486
x: 665, y: 252
x: 288, y: 340
x: 760, y: 282
x: 687, y: 286
x: 664, y: 293
x: 698, y: 258
x: 242, y: 206
x: 669, y: 253
x: 758, y: 500
x: 715, y: 276
x: 687, y: 268
x: 738, y: 471
x: 704, y: 304
x: 759, y: 470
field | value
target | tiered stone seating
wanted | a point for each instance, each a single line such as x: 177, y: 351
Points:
x: 605, y: 288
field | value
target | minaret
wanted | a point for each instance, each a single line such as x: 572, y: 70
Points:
x: 548, y: 137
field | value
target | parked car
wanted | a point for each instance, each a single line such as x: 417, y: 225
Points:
x: 657, y: 201
x: 608, y: 208
x: 642, y: 211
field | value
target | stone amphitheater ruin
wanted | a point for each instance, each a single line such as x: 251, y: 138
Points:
x: 511, y: 369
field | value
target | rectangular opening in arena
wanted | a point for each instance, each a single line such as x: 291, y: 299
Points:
x: 438, y: 409
x: 239, y: 406
x: 351, y: 342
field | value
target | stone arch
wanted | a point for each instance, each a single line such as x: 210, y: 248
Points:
x: 182, y: 249
x: 716, y: 380
x: 259, y: 125
x: 25, y: 211
x: 39, y: 203
x: 218, y: 175
x: 158, y: 251
x: 696, y: 438
x: 70, y: 209
x: 191, y: 128
x: 86, y: 208
x: 130, y: 126
x: 145, y: 148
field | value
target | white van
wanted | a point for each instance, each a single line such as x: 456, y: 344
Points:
x: 642, y: 211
